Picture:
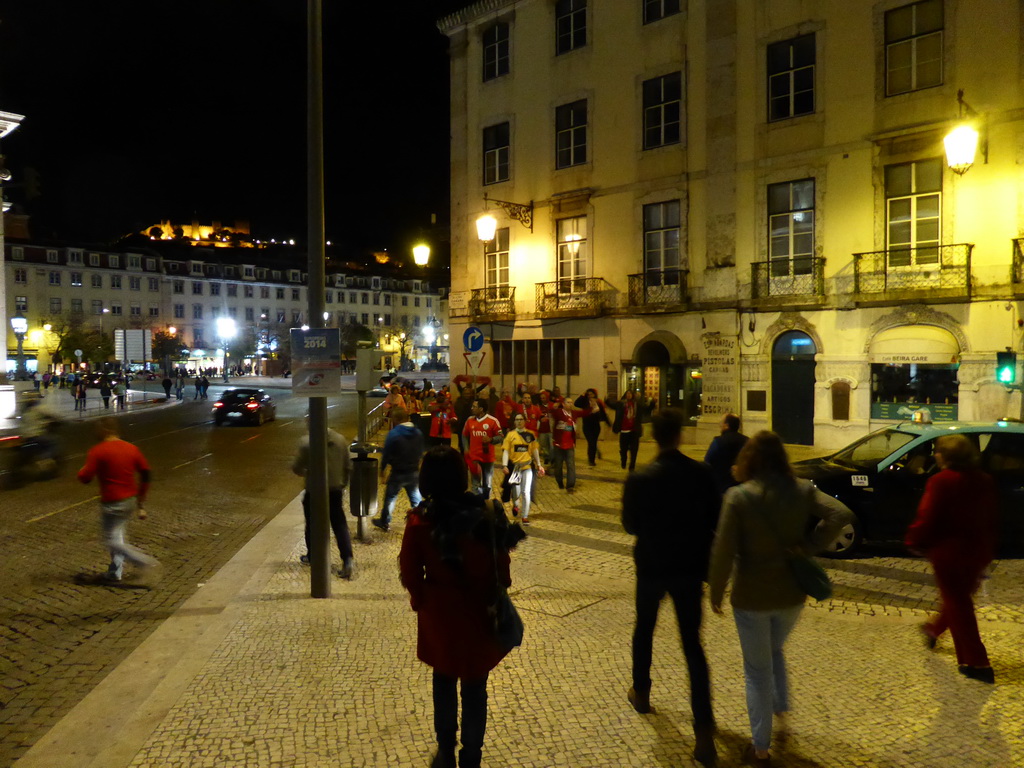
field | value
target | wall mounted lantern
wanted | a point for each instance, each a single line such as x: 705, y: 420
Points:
x: 962, y: 143
x: 487, y: 225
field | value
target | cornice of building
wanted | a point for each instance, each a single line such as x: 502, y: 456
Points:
x: 452, y: 22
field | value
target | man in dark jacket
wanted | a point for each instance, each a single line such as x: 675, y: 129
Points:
x: 671, y: 506
x: 724, y: 449
x: 403, y: 449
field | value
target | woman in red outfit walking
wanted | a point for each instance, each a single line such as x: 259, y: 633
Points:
x: 453, y: 558
x: 956, y: 530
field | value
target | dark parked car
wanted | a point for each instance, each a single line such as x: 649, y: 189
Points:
x: 252, y: 406
x: 881, y: 477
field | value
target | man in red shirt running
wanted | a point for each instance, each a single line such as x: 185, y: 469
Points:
x: 563, y: 438
x: 482, y: 430
x: 116, y: 462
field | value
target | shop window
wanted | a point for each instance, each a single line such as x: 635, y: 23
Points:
x: 897, y: 391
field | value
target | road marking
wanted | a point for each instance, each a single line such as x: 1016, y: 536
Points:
x: 62, y: 509
x: 192, y: 461
x: 251, y: 438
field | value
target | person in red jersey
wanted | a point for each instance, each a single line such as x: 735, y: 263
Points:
x: 532, y: 414
x: 482, y: 431
x: 442, y: 414
x: 563, y: 439
x: 116, y: 462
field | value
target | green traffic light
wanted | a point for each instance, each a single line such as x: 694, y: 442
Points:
x: 1005, y: 375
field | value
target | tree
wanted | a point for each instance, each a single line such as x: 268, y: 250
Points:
x: 167, y: 347
x: 351, y: 335
x: 71, y: 333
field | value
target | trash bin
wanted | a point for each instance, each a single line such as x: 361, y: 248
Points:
x: 363, y: 487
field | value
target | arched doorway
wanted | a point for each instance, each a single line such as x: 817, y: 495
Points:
x: 793, y: 387
x: 659, y: 372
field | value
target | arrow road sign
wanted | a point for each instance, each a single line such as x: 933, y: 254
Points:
x: 473, y: 339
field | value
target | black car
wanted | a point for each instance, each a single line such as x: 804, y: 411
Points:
x: 252, y: 406
x: 881, y: 477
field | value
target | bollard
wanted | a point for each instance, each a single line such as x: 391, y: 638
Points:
x: 363, y: 488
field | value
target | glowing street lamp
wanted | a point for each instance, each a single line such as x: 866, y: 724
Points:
x: 226, y: 330
x: 421, y: 254
x: 963, y: 141
x: 486, y: 226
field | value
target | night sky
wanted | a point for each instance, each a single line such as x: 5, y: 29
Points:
x: 142, y: 110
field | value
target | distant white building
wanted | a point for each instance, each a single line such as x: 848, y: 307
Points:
x: 743, y: 205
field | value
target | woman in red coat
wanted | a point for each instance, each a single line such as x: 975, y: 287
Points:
x: 956, y: 529
x: 451, y: 568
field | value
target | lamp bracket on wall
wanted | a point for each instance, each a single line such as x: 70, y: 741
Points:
x: 517, y: 211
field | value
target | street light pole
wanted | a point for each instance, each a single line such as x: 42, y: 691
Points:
x: 20, y: 327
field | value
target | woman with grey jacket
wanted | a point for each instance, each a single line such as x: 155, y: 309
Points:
x: 762, y: 519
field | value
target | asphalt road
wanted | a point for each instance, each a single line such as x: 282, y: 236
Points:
x: 213, y: 489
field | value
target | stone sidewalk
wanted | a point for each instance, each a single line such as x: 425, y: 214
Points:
x: 253, y: 672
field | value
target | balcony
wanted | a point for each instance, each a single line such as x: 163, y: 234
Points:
x: 492, y: 303
x: 926, y: 272
x: 1017, y: 268
x: 788, y: 281
x: 576, y: 297
x: 658, y: 289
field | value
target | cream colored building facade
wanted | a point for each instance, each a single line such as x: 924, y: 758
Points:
x: 743, y: 205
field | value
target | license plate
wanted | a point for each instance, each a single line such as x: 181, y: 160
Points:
x: 234, y: 415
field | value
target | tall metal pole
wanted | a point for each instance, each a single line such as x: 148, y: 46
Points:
x: 316, y: 481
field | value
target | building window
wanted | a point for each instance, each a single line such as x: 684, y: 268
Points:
x: 376, y: 299
x: 495, y: 266
x: 661, y: 241
x: 249, y: 272
x: 150, y: 265
x: 281, y: 316
x: 656, y: 10
x: 430, y: 302
x: 135, y: 310
x: 74, y: 257
x: 135, y: 283
x: 51, y: 257
x: 572, y: 255
x: 416, y: 301
x: 279, y: 293
x: 196, y: 268
x: 215, y: 289
x: 663, y: 98
x: 366, y: 298
x: 570, y: 25
x: 76, y: 306
x: 296, y: 316
x: 232, y: 311
x: 791, y: 78
x: 232, y: 290
x: 96, y: 281
x: 76, y: 278
x: 197, y: 288
x: 197, y: 311
x: 154, y: 311
x: 571, y: 134
x: 179, y: 286
x: 496, y: 59
x: 55, y: 307
x: 249, y: 314
x: 215, y: 312
x: 791, y: 227
x: 247, y: 291
x: 94, y: 259
x: 913, y: 47
x: 179, y: 311
x: 55, y: 278
x: 197, y: 336
x: 496, y: 153
x: 405, y: 299
x: 365, y: 319
x: 115, y: 308
x: 97, y: 307
x: 913, y: 206
x: 18, y: 254
x: 295, y: 294
x: 114, y: 262
x: 153, y: 283
x: 21, y: 276
x: 264, y: 292
x: 134, y: 262
x: 115, y: 282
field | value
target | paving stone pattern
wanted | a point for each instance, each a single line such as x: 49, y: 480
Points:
x: 308, y: 683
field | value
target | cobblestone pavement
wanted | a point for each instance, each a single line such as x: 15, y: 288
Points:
x: 254, y: 673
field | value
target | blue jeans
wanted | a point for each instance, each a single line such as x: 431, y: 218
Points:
x: 567, y: 456
x: 410, y: 481
x: 114, y: 516
x: 762, y: 635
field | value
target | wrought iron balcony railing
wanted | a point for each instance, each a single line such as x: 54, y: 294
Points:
x: 584, y: 295
x: 658, y: 288
x: 800, y: 276
x: 938, y: 269
x: 494, y: 300
x: 1017, y: 269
